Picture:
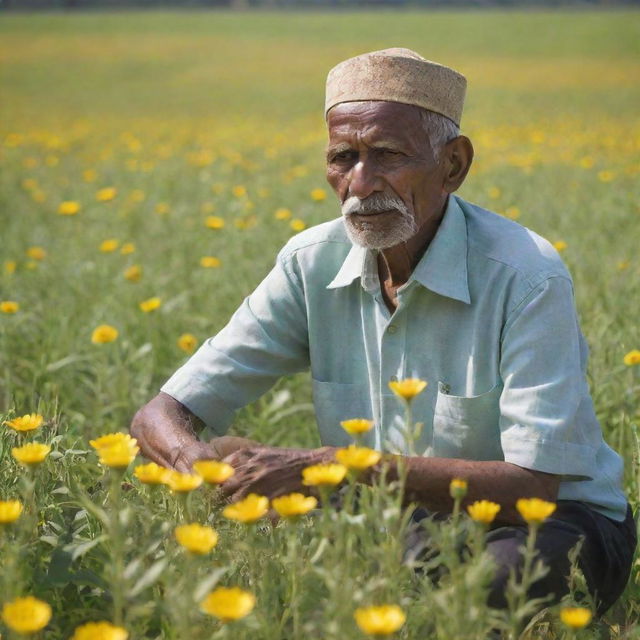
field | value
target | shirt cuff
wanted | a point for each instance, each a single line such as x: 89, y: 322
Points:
x: 196, y: 394
x: 573, y: 462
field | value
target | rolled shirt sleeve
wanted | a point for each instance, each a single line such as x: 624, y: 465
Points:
x: 265, y: 338
x: 546, y: 415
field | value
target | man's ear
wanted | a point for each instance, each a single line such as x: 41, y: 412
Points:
x: 458, y: 156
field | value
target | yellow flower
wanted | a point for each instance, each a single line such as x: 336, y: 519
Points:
x: 151, y: 304
x: 187, y: 342
x: 26, y: 615
x: 213, y: 471
x: 9, y: 306
x: 36, y: 253
x: 103, y: 334
x: 560, y: 245
x: 118, y: 455
x: 587, y: 162
x: 239, y: 191
x: 133, y: 273
x: 318, y: 194
x: 483, y: 511
x: 252, y: 508
x: 214, y: 222
x: 575, y: 617
x: 458, y: 488
x: 150, y: 473
x: 294, y: 504
x: 10, y: 266
x: 27, y: 422
x: 162, y: 208
x: 623, y: 264
x: 196, y: 538
x: 282, y: 214
x: 10, y: 511
x: 182, y: 482
x: 69, y: 208
x: 408, y: 388
x: 297, y: 225
x: 606, y: 176
x: 246, y: 223
x: 534, y: 510
x: 110, y: 439
x: 356, y: 426
x: 127, y: 248
x: 106, y: 194
x: 89, y: 175
x: 494, y: 192
x: 31, y: 454
x: 325, y: 474
x: 110, y: 245
x: 137, y: 195
x: 512, y: 213
x: 228, y: 604
x: 210, y: 262
x: 99, y: 631
x: 358, y: 458
x: 632, y: 358
x: 380, y: 621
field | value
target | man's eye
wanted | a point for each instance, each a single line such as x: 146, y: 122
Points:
x: 390, y: 153
x: 343, y: 156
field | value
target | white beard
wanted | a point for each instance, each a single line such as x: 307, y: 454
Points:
x: 380, y: 232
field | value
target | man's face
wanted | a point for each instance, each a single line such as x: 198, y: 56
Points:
x: 381, y: 166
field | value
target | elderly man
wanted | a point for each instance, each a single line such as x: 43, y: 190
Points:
x: 413, y: 281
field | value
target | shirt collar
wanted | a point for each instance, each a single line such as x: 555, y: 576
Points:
x: 442, y: 269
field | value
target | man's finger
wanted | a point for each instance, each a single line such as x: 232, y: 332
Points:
x: 187, y: 456
x: 239, y: 458
x: 226, y: 445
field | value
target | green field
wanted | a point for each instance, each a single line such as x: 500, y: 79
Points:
x: 187, y: 116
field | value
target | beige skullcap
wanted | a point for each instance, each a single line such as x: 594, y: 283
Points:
x: 397, y: 75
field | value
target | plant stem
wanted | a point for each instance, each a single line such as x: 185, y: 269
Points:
x: 292, y: 544
x: 117, y: 548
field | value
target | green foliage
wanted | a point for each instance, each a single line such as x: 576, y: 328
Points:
x: 174, y: 111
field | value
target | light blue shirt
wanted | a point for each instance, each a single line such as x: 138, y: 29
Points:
x: 487, y: 319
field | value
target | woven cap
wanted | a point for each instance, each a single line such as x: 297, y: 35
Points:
x: 397, y: 75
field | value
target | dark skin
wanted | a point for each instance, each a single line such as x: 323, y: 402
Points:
x: 373, y: 147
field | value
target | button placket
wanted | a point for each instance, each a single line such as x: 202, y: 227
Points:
x: 392, y: 364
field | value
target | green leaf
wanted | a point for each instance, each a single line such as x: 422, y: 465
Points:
x: 77, y: 550
x: 206, y: 584
x: 149, y: 577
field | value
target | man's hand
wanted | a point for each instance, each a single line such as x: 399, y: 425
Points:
x: 271, y: 471
x: 166, y: 433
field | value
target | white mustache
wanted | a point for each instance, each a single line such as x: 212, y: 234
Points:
x: 375, y: 203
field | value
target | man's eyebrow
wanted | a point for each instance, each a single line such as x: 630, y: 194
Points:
x: 385, y: 144
x: 338, y: 148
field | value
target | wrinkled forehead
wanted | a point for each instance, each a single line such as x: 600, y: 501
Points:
x: 375, y: 120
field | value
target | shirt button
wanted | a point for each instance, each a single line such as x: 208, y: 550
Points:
x: 392, y: 328
x: 393, y: 378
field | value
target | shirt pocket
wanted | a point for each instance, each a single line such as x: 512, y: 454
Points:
x: 467, y: 426
x: 335, y: 402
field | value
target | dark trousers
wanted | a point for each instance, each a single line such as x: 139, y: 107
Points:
x: 605, y: 557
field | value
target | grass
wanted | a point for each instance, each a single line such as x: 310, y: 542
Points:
x: 174, y: 110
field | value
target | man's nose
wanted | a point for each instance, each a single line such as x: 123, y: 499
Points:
x: 364, y: 180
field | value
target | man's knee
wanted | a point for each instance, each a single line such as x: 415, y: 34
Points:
x: 553, y: 546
